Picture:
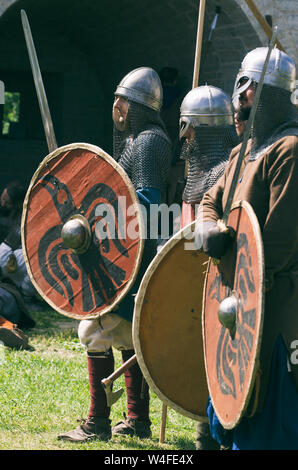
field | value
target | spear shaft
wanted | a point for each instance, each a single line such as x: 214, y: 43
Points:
x: 247, y: 130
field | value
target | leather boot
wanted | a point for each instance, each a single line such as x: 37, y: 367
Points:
x: 137, y: 422
x: 11, y: 336
x: 204, y: 440
x: 98, y: 424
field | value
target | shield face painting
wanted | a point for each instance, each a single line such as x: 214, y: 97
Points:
x: 233, y: 318
x: 82, y: 232
x: 167, y: 326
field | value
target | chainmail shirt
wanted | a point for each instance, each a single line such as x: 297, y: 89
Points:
x: 274, y: 115
x: 144, y: 150
x: 207, y: 155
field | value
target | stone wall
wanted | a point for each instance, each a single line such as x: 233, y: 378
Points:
x: 283, y: 12
x: 85, y: 48
x: 285, y: 15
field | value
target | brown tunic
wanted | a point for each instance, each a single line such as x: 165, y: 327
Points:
x: 270, y: 185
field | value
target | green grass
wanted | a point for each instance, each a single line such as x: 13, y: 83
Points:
x: 43, y: 393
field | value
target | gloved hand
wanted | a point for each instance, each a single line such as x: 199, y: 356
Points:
x: 217, y: 238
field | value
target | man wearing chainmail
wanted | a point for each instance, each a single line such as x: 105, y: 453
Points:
x: 240, y: 120
x: 206, y: 124
x: 142, y: 148
x: 269, y: 182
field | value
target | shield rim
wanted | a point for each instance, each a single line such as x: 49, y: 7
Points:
x: 97, y: 150
x: 261, y: 302
x: 168, y: 246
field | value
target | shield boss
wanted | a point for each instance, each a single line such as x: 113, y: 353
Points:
x: 233, y: 317
x: 82, y: 231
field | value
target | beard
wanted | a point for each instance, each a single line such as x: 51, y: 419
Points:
x: 243, y: 113
x: 188, y: 148
x: 119, y: 122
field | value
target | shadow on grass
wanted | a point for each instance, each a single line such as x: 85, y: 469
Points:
x: 49, y: 322
x: 135, y: 443
x: 184, y: 444
x: 153, y: 444
x: 53, y: 329
x: 49, y: 318
x: 57, y: 334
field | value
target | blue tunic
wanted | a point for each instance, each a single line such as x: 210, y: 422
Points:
x: 147, y: 196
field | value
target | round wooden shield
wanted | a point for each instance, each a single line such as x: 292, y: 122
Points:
x: 81, y: 182
x: 233, y: 318
x: 167, y: 326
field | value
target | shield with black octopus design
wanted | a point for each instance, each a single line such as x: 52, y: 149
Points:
x: 233, y: 306
x: 82, y: 231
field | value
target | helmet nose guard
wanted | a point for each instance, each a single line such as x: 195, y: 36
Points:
x: 281, y: 71
x: 184, y: 124
x: 205, y: 106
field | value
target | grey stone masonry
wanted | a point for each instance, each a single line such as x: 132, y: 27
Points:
x: 284, y: 13
x: 85, y: 48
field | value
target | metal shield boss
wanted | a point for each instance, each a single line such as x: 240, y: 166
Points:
x: 82, y: 231
x: 167, y: 326
x: 233, y: 308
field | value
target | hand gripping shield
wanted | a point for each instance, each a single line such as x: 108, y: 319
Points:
x: 82, y: 231
x: 233, y: 308
x: 167, y: 326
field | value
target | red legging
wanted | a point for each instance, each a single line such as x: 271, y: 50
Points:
x: 137, y: 406
x: 99, y: 367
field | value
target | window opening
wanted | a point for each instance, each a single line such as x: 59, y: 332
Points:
x: 11, y: 111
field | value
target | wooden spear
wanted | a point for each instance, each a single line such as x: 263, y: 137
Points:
x: 195, y: 82
x: 186, y: 213
x: 199, y: 42
x: 261, y: 20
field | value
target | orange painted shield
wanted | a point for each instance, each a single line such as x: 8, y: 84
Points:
x: 233, y: 318
x: 82, y: 182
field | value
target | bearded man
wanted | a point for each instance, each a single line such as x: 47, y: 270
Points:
x: 269, y: 182
x: 206, y: 125
x: 143, y: 149
x: 207, y: 128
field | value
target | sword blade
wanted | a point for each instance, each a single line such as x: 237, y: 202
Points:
x: 41, y: 95
x: 247, y: 130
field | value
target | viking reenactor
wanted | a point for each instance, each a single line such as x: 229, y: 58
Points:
x: 268, y: 182
x: 15, y: 285
x: 91, y: 250
x: 143, y: 150
x: 206, y: 125
x: 168, y: 356
x: 12, y: 264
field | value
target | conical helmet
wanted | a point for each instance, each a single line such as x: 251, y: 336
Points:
x: 143, y: 86
x: 281, y: 71
x: 205, y: 106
